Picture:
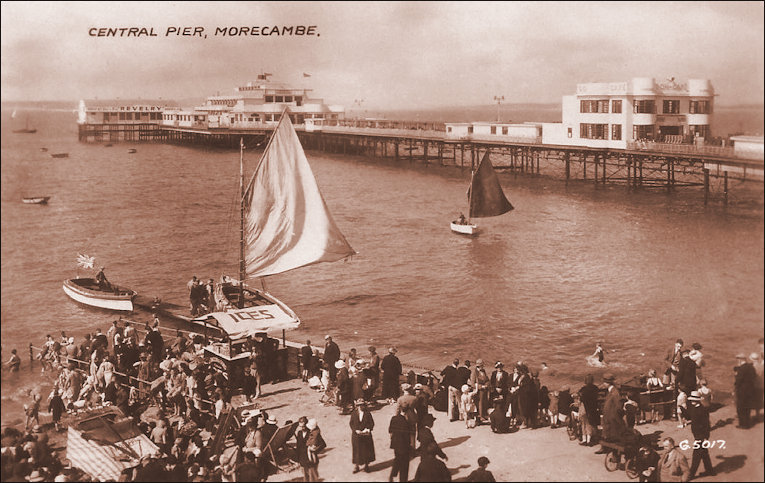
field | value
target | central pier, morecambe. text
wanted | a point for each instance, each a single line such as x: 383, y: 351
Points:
x: 251, y: 31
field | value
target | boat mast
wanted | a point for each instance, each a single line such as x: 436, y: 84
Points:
x: 470, y: 195
x: 241, y: 223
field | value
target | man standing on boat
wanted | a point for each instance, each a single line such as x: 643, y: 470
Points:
x: 103, y: 283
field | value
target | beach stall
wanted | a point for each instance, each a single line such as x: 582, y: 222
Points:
x: 103, y: 443
x: 238, y: 332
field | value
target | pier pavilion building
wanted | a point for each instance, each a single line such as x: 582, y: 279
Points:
x: 616, y: 114
x: 256, y: 104
x: 127, y: 111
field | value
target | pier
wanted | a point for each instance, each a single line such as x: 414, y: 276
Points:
x: 641, y: 166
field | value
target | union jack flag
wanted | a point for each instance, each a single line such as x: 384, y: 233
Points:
x: 85, y: 261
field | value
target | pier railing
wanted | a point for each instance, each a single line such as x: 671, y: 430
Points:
x: 725, y: 151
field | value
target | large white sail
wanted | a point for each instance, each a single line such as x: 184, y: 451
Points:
x: 287, y: 223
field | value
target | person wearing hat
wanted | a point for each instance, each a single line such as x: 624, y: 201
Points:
x: 427, y: 440
x: 358, y: 379
x: 700, y: 428
x: 686, y: 374
x: 481, y: 473
x: 588, y: 395
x: 373, y: 368
x: 103, y: 283
x: 406, y: 405
x: 331, y: 355
x: 479, y: 379
x: 431, y: 468
x: 306, y: 356
x: 344, y: 386
x: 500, y: 384
x: 391, y: 368
x: 468, y: 409
x: 757, y: 363
x: 745, y: 388
x: 400, y: 443
x: 613, y: 413
x: 450, y: 378
x: 673, y: 358
x: 362, y: 444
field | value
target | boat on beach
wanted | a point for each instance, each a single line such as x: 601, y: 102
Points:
x: 485, y: 198
x: 26, y: 129
x: 284, y: 224
x: 36, y: 200
x: 59, y: 155
x: 132, y: 150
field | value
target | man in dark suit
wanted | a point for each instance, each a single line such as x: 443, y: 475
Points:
x: 700, y: 428
x: 399, y: 442
x: 613, y: 412
x: 331, y: 355
x: 391, y: 368
x: 463, y: 373
x: 450, y: 380
x: 686, y: 374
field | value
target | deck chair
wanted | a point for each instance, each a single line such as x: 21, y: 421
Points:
x: 276, y: 443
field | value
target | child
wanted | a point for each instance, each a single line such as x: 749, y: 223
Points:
x: 56, y: 407
x: 682, y: 409
x: 630, y: 409
x: 544, y: 404
x: 552, y: 411
x: 481, y: 473
x: 468, y: 410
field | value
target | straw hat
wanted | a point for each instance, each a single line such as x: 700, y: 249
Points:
x: 339, y: 364
x: 694, y: 396
x: 311, y: 424
x: 36, y: 476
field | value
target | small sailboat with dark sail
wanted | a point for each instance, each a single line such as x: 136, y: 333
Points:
x: 285, y: 224
x: 485, y: 198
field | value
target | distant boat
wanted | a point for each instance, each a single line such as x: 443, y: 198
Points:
x: 132, y: 150
x: 27, y: 129
x: 485, y: 198
x: 36, y: 200
x: 59, y: 155
x: 44, y: 150
x: 108, y: 145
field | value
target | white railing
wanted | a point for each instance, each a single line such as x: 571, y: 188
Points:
x: 681, y: 148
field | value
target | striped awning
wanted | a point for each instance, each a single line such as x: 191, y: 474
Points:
x: 103, y: 461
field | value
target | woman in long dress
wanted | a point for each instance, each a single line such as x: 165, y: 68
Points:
x: 362, y: 444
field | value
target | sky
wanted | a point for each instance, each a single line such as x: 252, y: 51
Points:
x: 378, y: 55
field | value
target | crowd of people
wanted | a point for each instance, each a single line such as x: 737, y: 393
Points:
x: 192, y: 401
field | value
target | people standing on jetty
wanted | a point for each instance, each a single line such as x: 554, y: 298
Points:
x: 430, y: 467
x: 406, y: 405
x: 426, y: 438
x: 33, y: 412
x: 362, y: 444
x: 450, y: 379
x: 700, y: 428
x: 56, y: 407
x: 588, y: 396
x: 613, y: 412
x: 479, y: 379
x: 344, y: 387
x: 192, y: 295
x: 673, y: 358
x: 374, y: 370
x: 745, y: 385
x: 331, y: 356
x: 391, y: 368
x: 306, y: 356
x: 500, y: 384
x: 400, y: 444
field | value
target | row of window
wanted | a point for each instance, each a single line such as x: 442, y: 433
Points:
x: 132, y: 116
x: 600, y: 131
x: 297, y: 99
x: 643, y: 106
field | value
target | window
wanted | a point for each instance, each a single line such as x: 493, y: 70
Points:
x: 700, y: 107
x: 602, y: 106
x: 570, y: 132
x: 593, y: 131
x: 593, y: 106
x: 504, y: 129
x: 642, y: 132
x: 646, y: 106
x: 287, y: 98
x: 279, y: 99
x: 671, y: 107
x: 470, y: 129
x: 616, y: 106
x: 269, y: 98
x: 699, y: 130
x: 448, y: 129
x: 299, y: 100
x: 122, y: 116
x: 494, y: 129
x: 616, y: 132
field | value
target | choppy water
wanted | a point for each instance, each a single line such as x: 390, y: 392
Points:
x: 566, y: 269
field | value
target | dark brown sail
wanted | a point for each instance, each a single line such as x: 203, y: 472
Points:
x: 486, y: 195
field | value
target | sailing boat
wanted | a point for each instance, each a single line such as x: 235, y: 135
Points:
x: 285, y: 224
x: 485, y: 198
x: 26, y: 129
